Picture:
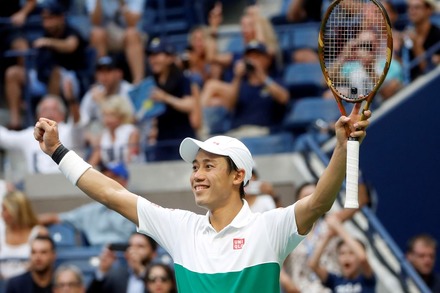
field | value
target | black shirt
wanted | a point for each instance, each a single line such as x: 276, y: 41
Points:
x: 173, y: 124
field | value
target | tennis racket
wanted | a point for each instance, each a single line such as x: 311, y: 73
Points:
x: 355, y: 49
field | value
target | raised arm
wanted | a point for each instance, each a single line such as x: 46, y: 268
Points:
x: 313, y: 262
x: 310, y: 208
x: 96, y: 185
x: 355, y: 246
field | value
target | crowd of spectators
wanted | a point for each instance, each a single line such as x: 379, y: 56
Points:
x: 201, y: 90
x: 186, y: 93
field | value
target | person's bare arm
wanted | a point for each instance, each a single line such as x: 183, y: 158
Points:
x: 310, y: 208
x: 97, y: 15
x: 196, y: 114
x: 20, y: 16
x: 185, y: 104
x: 47, y: 219
x: 287, y: 283
x: 313, y: 262
x: 93, y: 183
x: 131, y: 18
x: 355, y: 246
x: 68, y: 45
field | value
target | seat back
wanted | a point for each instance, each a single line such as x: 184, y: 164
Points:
x: 304, y: 113
x: 269, y: 144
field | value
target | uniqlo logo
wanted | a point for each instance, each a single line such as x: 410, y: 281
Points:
x: 238, y: 243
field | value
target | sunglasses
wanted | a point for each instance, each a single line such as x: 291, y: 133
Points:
x: 368, y: 46
x: 163, y: 279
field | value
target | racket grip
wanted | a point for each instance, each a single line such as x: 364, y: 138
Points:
x: 352, y: 179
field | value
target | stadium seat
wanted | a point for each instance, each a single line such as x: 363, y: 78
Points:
x: 235, y: 44
x: 304, y: 79
x: 86, y: 258
x: 216, y: 119
x: 65, y: 235
x: 306, y: 112
x: 165, y: 18
x: 269, y: 144
x: 298, y: 35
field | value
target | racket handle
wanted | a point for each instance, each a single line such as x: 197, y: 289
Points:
x: 352, y: 179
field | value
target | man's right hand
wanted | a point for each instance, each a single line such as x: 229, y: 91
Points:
x: 46, y: 133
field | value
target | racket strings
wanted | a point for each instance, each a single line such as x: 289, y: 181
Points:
x: 355, y: 46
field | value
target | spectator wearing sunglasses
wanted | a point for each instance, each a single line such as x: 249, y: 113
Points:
x: 160, y: 278
x: 368, y: 64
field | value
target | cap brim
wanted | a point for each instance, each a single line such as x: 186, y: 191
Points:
x: 190, y: 146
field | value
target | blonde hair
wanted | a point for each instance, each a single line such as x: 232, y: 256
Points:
x: 20, y: 208
x: 120, y: 106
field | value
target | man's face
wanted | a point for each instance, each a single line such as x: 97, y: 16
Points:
x: 140, y: 249
x: 42, y: 256
x: 422, y: 257
x: 109, y: 78
x: 50, y: 109
x: 258, y: 59
x: 418, y: 11
x: 211, y: 182
x: 67, y: 282
x: 52, y: 23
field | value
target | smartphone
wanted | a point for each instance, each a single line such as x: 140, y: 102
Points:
x: 118, y: 246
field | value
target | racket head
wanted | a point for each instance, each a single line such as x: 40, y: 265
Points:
x: 352, y: 33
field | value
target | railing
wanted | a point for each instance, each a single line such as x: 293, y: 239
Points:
x: 408, y: 64
x: 407, y: 274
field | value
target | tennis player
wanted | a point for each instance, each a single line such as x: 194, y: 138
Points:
x: 230, y: 249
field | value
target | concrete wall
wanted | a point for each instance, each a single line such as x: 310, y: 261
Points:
x: 166, y: 184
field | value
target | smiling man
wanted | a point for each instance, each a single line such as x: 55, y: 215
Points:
x: 230, y: 249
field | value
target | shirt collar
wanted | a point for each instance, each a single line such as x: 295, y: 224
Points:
x: 242, y: 219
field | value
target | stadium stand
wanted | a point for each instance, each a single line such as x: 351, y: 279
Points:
x: 173, y: 18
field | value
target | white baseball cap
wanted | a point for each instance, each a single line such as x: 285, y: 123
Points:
x: 220, y: 145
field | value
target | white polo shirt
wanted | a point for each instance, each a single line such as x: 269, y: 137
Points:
x: 246, y: 256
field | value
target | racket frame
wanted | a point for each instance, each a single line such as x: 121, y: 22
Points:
x: 351, y: 199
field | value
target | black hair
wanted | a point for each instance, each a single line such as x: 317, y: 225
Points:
x: 423, y: 237
x: 233, y: 167
x: 169, y: 271
x: 46, y: 238
x: 341, y: 242
x: 150, y: 240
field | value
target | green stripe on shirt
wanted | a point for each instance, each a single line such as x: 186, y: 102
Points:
x: 259, y: 278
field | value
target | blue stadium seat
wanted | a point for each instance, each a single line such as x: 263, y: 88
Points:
x: 217, y: 119
x: 298, y: 35
x: 65, y: 235
x: 304, y: 79
x: 269, y: 144
x: 304, y: 113
x: 80, y: 22
x: 86, y: 258
x: 168, y: 17
x: 235, y: 43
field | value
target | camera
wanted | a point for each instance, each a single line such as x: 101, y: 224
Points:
x: 184, y: 57
x: 249, y: 66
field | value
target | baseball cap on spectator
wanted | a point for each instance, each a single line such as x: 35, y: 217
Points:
x: 256, y: 46
x: 118, y: 169
x: 52, y: 7
x: 220, y: 145
x: 106, y: 62
x: 158, y: 45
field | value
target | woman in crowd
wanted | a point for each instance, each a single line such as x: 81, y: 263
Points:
x: 18, y: 227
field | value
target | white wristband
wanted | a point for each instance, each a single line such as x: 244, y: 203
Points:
x: 73, y: 166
